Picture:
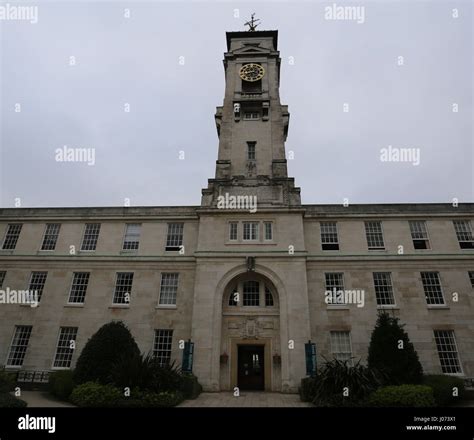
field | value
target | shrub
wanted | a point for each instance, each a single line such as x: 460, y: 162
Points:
x: 61, y: 384
x: 443, y: 388
x: 402, y: 396
x: 92, y: 394
x: 307, y: 389
x: 338, y: 376
x: 190, y: 387
x: 9, y: 401
x: 400, y: 365
x: 7, y: 381
x: 166, y: 378
x: 162, y: 400
x: 111, y: 343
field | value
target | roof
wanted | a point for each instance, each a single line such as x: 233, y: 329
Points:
x: 256, y: 34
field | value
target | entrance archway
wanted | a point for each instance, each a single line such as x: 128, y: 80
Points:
x: 250, y: 334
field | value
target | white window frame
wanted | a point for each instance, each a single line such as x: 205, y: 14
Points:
x: 72, y: 284
x: 374, y: 248
x: 53, y: 367
x: 16, y: 327
x: 167, y: 294
x: 257, y: 231
x: 137, y: 237
x: 394, y: 303
x: 232, y: 223
x: 84, y: 237
x: 265, y: 223
x: 46, y: 233
x: 452, y: 332
x: 350, y: 360
x: 443, y: 304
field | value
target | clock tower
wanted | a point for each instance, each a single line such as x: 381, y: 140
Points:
x: 252, y: 125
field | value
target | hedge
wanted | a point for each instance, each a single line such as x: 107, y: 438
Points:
x: 402, y: 396
x: 444, y: 388
x: 9, y: 401
x: 61, y: 384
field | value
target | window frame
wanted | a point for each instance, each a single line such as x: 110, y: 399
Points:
x: 89, y: 235
x: 9, y: 352
x: 455, y: 344
x: 55, y: 237
x: 53, y: 366
x: 16, y: 236
x: 324, y: 234
x: 137, y: 241
x: 176, y: 236
x: 375, y: 248
x: 426, y: 240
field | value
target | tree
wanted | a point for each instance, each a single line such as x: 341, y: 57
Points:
x: 392, y: 353
x: 110, y: 344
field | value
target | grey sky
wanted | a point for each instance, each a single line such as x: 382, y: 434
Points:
x: 136, y: 61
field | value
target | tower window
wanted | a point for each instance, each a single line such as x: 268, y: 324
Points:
x: 268, y: 230
x: 233, y: 230
x: 251, y: 116
x: 251, y: 150
x: 251, y: 230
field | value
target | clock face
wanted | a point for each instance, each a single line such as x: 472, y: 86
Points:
x: 252, y: 72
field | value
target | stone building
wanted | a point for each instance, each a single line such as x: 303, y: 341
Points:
x: 245, y: 275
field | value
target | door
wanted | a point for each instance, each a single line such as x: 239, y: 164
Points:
x: 250, y: 367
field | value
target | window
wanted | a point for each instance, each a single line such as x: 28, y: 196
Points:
x: 19, y: 344
x: 383, y: 288
x: 37, y: 282
x: 79, y: 287
x: 329, y: 240
x: 162, y: 346
x: 251, y: 293
x: 233, y: 230
x: 373, y: 231
x: 471, y: 278
x: 174, y: 240
x: 50, y: 236
x: 251, y: 116
x: 341, y: 346
x: 432, y: 287
x: 251, y: 150
x: 11, y: 237
x: 268, y: 228
x: 464, y: 233
x: 123, y: 287
x: 168, y: 288
x: 250, y: 230
x: 335, y: 285
x: 447, y: 351
x: 2, y: 277
x: 419, y: 235
x: 268, y: 298
x: 91, y: 235
x: 65, y: 348
x: 132, y: 236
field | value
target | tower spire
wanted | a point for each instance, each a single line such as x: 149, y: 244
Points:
x: 252, y: 23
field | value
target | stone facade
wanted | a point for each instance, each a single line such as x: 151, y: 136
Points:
x: 224, y: 250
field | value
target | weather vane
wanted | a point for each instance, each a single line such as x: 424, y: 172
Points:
x: 253, y: 23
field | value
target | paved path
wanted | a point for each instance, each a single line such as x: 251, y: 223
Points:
x: 41, y: 399
x: 246, y: 399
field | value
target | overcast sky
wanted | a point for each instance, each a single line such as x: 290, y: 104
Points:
x: 136, y: 61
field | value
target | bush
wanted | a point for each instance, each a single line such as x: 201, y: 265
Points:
x: 400, y: 365
x: 190, y: 387
x: 307, y: 389
x: 111, y: 343
x: 162, y: 400
x: 61, y: 384
x: 402, y: 396
x: 92, y: 394
x: 443, y: 388
x: 9, y: 401
x: 7, y: 381
x: 337, y: 376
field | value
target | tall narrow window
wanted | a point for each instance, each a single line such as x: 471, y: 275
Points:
x: 123, y: 288
x: 168, y: 288
x: 131, y: 240
x: 432, y: 288
x: 162, y: 346
x: 19, y: 345
x: 268, y: 298
x: 447, y: 351
x: 329, y: 239
x: 268, y: 227
x: 383, y: 288
x: 251, y: 293
x: 251, y: 154
x: 335, y: 288
x: 79, y: 285
x: 65, y: 347
x: 37, y: 282
x: 464, y: 233
x: 419, y: 234
x: 373, y: 231
x: 471, y: 278
x: 11, y: 236
x: 174, y: 239
x: 341, y: 346
x: 50, y: 236
x: 251, y: 230
x: 2, y: 277
x: 233, y: 230
x: 91, y: 235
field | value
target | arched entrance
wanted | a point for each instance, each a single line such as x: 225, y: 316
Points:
x: 250, y: 335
